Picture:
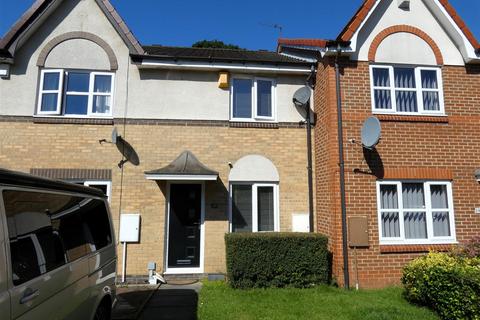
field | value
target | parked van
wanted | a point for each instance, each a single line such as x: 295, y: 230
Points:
x: 57, y: 250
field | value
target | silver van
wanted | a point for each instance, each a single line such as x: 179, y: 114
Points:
x: 57, y: 250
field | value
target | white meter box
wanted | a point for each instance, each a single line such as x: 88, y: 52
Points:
x: 129, y: 227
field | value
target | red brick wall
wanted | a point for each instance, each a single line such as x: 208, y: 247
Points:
x: 411, y: 147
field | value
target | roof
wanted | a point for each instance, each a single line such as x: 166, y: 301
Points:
x: 361, y: 14
x: 40, y: 6
x: 14, y: 178
x: 303, y: 42
x: 216, y: 54
x: 185, y: 164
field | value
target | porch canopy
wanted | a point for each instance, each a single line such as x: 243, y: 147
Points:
x: 185, y: 167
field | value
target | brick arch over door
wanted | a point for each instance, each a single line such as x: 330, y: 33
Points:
x: 407, y: 29
x: 78, y: 35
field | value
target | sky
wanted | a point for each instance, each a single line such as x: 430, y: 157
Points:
x: 247, y: 23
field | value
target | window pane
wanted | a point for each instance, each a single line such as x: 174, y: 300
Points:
x: 413, y: 196
x: 406, y: 101
x: 439, y: 196
x: 52, y: 249
x: 264, y: 98
x: 441, y: 224
x: 35, y: 243
x: 76, y: 104
x: 241, y: 208
x: 431, y: 101
x: 49, y: 102
x: 381, y: 77
x: 429, y: 79
x: 265, y: 208
x: 103, y: 83
x: 101, y: 104
x: 415, y: 225
x: 78, y: 82
x: 25, y: 264
x: 390, y: 224
x: 383, y: 99
x: 51, y: 80
x: 95, y: 216
x: 404, y: 77
x: 388, y: 197
x: 242, y: 98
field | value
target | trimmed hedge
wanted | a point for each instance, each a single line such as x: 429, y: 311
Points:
x: 449, y: 285
x: 260, y: 260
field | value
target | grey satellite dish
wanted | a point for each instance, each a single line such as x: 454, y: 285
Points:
x: 301, y: 97
x: 371, y: 132
x: 127, y: 151
x: 115, y: 136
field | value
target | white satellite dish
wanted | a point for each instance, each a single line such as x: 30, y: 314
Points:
x: 301, y: 97
x: 371, y: 132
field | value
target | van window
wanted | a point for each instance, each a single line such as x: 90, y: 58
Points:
x: 47, y: 230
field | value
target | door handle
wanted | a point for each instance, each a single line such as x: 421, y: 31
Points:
x: 29, y: 295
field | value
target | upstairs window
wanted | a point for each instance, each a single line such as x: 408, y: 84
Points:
x: 75, y: 93
x: 406, y: 90
x: 252, y: 99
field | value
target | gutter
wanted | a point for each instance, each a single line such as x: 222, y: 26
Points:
x: 155, y: 63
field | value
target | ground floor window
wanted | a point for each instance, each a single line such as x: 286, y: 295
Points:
x: 415, y: 212
x: 254, y: 207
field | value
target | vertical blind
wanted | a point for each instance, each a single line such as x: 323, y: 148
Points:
x: 242, y: 208
x: 265, y: 208
x: 413, y: 210
x: 405, y: 88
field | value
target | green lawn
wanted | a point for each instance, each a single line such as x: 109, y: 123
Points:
x: 218, y: 301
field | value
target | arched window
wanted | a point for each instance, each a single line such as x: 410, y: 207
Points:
x: 254, y: 195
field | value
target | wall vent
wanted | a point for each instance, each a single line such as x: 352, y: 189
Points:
x: 404, y: 4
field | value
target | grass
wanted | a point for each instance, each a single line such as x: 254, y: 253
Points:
x: 219, y: 301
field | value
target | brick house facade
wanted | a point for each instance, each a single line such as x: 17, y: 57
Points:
x: 416, y: 148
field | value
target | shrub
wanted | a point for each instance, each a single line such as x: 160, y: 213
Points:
x: 448, y: 284
x: 259, y: 260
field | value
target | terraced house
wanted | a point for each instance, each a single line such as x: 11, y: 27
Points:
x: 220, y: 144
x: 416, y: 67
x: 221, y: 147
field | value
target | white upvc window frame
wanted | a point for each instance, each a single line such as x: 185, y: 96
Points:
x: 418, y: 89
x: 59, y: 92
x: 255, y: 186
x: 431, y: 239
x: 62, y: 94
x: 90, y: 183
x: 255, y: 117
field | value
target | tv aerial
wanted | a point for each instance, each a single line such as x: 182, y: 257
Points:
x: 129, y: 154
x: 371, y: 133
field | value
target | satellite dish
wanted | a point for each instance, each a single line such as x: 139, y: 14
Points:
x: 301, y: 97
x: 115, y: 136
x: 127, y: 151
x: 371, y: 132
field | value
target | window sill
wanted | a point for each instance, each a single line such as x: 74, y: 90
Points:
x: 415, y: 248
x: 411, y: 118
x: 73, y: 120
x: 253, y: 124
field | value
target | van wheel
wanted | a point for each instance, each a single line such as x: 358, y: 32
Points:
x: 101, y: 313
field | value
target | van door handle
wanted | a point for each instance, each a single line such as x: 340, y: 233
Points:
x: 29, y: 295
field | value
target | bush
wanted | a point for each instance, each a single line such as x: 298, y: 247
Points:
x: 450, y: 285
x: 259, y: 260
